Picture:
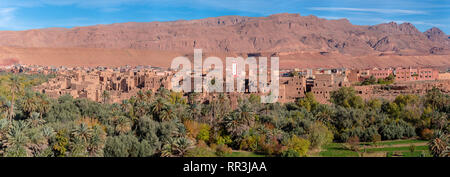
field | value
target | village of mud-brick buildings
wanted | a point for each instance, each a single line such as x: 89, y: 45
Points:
x: 123, y: 82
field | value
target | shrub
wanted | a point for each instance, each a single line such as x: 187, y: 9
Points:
x: 223, y: 140
x: 389, y: 154
x: 203, y: 133
x: 412, y: 148
x: 290, y: 153
x: 369, y: 133
x: 376, y: 138
x: 270, y: 146
x: 222, y: 150
x: 426, y: 134
x: 319, y: 135
x: 201, y: 150
x: 192, y: 128
x: 249, y: 143
x: 353, y: 143
x: 298, y: 145
x: 61, y: 142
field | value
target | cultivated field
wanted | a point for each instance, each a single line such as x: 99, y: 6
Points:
x: 396, y: 148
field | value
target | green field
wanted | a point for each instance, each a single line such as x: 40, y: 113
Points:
x: 398, y: 148
x: 395, y: 149
x: 395, y: 142
x: 337, y: 150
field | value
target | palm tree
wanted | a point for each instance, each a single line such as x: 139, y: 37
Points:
x: 29, y: 103
x: 164, y: 93
x: 141, y: 108
x: 16, y: 137
x: 132, y: 107
x: 148, y: 95
x: 43, y: 105
x: 15, y: 84
x: 35, y: 119
x: 158, y: 106
x: 232, y: 124
x: 97, y: 141
x: 124, y: 106
x: 246, y: 114
x: 176, y: 147
x: 140, y: 95
x: 195, y: 111
x: 166, y: 150
x: 167, y: 114
x: 48, y: 132
x: 123, y: 125
x: 181, y: 145
x: 438, y: 145
x: 192, y: 98
x: 4, y: 108
x: 83, y: 132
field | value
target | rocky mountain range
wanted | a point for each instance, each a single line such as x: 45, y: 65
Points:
x: 279, y: 34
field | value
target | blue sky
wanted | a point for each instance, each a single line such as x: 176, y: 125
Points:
x: 30, y: 14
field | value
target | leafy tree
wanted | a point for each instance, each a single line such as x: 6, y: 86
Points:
x: 374, y: 104
x: 308, y: 102
x: 127, y: 146
x: 346, y: 97
x: 148, y: 129
x: 437, y: 100
x: 64, y: 110
x: 369, y: 81
x: 396, y: 130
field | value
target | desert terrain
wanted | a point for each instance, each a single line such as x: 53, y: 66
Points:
x: 299, y: 41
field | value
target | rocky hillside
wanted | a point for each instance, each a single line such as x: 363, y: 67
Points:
x: 275, y: 33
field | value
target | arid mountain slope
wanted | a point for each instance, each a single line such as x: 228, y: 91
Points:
x: 276, y: 33
x: 286, y: 35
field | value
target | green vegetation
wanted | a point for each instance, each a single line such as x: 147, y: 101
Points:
x: 168, y: 124
x: 404, y: 148
x: 395, y: 142
x: 244, y: 154
x: 389, y: 148
x: 372, y: 80
x: 337, y: 150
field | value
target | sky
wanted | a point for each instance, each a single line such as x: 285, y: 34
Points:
x: 32, y: 14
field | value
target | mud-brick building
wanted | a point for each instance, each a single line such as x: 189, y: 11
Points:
x: 381, y: 73
x: 416, y: 74
x: 291, y: 88
x: 324, y: 84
